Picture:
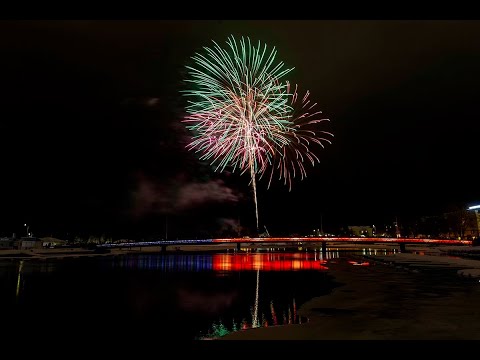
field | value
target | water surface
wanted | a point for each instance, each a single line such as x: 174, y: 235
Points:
x: 170, y: 296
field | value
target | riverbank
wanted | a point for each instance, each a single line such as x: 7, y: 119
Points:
x: 398, y: 297
x: 61, y: 253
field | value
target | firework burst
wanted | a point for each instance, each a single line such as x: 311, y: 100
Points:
x: 244, y: 116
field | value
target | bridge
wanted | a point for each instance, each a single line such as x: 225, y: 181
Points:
x: 357, y: 240
x: 295, y: 241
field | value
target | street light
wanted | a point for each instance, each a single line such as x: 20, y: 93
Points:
x: 28, y: 227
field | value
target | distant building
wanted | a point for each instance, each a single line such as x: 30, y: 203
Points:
x: 52, y: 242
x: 462, y: 224
x: 362, y: 231
x: 474, y: 224
x: 29, y: 243
x: 6, y: 243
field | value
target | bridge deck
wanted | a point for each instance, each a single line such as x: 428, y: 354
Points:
x: 294, y: 240
x: 346, y: 239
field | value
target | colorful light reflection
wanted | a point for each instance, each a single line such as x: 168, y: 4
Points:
x: 267, y: 262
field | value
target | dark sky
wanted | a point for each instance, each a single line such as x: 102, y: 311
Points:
x: 92, y: 140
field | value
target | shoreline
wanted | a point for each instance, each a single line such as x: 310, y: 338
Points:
x: 62, y: 253
x: 392, y: 299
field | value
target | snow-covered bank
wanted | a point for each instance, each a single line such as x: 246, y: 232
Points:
x: 385, y: 302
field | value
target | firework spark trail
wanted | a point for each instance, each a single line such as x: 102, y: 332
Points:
x: 254, y: 186
x: 244, y: 117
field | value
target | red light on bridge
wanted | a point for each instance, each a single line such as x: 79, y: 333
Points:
x: 344, y: 239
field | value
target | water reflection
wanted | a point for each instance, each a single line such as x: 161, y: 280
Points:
x: 289, y: 316
x: 255, y: 308
x: 270, y: 261
x: 274, y: 261
x: 186, y: 293
x: 19, y: 277
x: 369, y: 251
x: 198, y: 301
x: 167, y: 263
x: 358, y: 263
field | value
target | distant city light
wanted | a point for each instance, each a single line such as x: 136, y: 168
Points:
x: 474, y: 207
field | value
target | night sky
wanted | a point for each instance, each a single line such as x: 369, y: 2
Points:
x: 92, y: 140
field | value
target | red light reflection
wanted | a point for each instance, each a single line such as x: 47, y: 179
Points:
x: 267, y: 262
x: 359, y: 263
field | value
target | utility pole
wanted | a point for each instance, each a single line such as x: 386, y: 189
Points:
x: 166, y: 228
x: 321, y: 223
x: 397, y: 228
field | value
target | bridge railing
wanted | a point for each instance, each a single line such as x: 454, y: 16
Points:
x: 290, y: 239
x: 346, y: 239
